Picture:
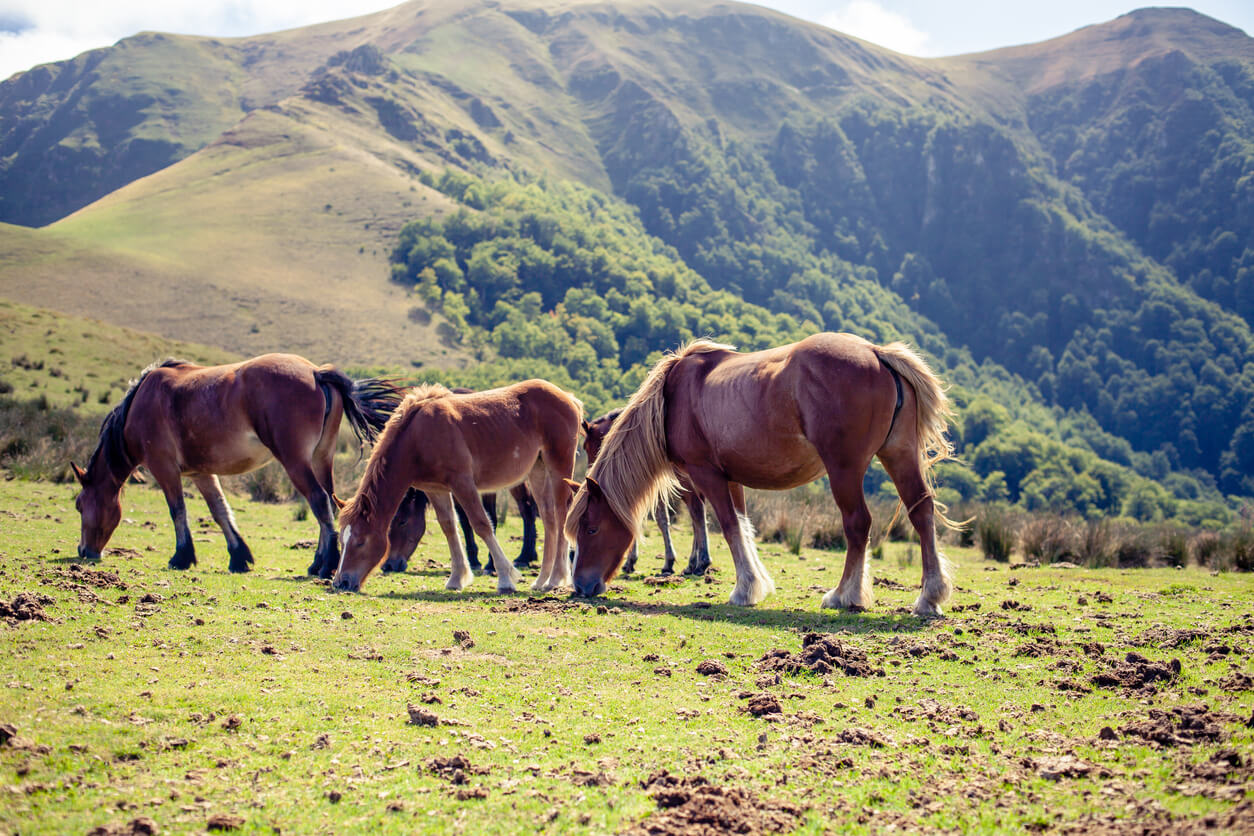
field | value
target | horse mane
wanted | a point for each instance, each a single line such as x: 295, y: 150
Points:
x: 112, y: 443
x: 632, y: 468
x: 363, y: 502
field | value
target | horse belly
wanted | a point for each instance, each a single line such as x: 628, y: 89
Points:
x: 773, y: 464
x: 507, y: 469
x: 241, y: 454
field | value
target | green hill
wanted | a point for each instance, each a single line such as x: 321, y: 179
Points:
x: 1065, y: 221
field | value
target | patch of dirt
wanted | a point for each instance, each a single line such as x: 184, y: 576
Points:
x: 78, y: 575
x: 1056, y: 767
x: 1167, y: 637
x: 142, y: 826
x: 462, y: 637
x: 584, y: 778
x: 1236, y: 681
x: 225, y: 821
x: 1180, y: 726
x: 456, y: 769
x: 1136, y: 672
x: 764, y: 705
x: 692, y: 806
x: 854, y: 736
x: 27, y: 606
x: 1149, y: 821
x: 550, y: 603
x: 821, y: 653
x: 712, y: 667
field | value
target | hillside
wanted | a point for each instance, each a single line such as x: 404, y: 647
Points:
x: 1045, y: 216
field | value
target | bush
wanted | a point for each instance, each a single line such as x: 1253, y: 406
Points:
x: 995, y: 533
x: 1048, y: 539
x: 1205, y: 547
x: 1096, y: 544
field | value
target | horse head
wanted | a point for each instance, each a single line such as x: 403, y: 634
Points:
x: 601, y: 541
x: 99, y: 504
x: 362, y: 545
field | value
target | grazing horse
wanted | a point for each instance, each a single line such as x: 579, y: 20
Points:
x: 179, y: 419
x: 771, y: 420
x: 410, y: 524
x: 456, y: 447
x: 699, y: 557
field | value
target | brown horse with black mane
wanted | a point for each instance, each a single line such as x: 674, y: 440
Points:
x: 457, y: 447
x: 179, y: 419
x: 771, y: 420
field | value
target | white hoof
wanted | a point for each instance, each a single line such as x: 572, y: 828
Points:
x: 924, y: 608
x: 748, y: 594
x: 456, y: 582
x: 851, y: 596
x: 542, y: 585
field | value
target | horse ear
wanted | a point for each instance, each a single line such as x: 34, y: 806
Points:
x: 79, y: 474
x: 572, y: 484
x: 137, y: 477
x: 586, y: 426
x: 593, y: 488
x: 339, y: 503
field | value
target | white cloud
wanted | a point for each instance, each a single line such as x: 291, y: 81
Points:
x: 39, y: 31
x: 870, y: 21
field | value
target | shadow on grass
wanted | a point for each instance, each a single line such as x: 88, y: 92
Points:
x: 825, y: 621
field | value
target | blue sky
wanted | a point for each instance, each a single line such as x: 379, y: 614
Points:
x: 37, y: 31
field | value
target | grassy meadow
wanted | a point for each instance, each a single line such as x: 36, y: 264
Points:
x: 142, y: 696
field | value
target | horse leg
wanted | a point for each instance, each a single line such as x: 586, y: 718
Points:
x: 699, y: 557
x: 903, y: 468
x: 467, y: 497
x: 327, y: 555
x: 489, y: 507
x: 461, y: 575
x: 854, y: 591
x: 171, y: 482
x: 552, y: 496
x: 472, y: 548
x: 211, y: 489
x: 752, y: 582
x: 527, y: 511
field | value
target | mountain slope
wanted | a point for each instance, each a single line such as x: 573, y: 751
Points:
x: 1049, y: 207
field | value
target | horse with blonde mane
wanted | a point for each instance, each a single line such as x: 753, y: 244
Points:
x: 457, y: 447
x: 771, y: 420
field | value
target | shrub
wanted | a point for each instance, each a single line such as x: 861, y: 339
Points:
x: 1048, y: 539
x: 1096, y: 543
x: 995, y: 533
x: 1205, y: 547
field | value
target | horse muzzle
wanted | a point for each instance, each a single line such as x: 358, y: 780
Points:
x: 85, y: 553
x: 346, y: 583
x: 589, y: 587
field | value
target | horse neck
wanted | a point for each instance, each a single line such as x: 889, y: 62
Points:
x: 101, y: 473
x: 383, y: 487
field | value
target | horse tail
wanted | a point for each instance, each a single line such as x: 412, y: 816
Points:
x: 932, y: 413
x: 368, y: 403
x: 632, y: 467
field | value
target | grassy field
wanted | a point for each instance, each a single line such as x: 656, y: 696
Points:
x: 266, y: 702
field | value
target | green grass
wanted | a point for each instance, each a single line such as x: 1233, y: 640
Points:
x: 131, y: 698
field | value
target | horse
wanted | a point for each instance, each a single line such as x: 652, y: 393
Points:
x: 771, y: 420
x: 699, y: 557
x: 456, y: 447
x: 179, y: 419
x: 410, y: 524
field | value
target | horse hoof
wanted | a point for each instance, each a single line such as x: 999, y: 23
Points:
x: 666, y: 570
x: 457, y: 583
x: 181, y: 565
x: 239, y: 567
x: 506, y: 589
x: 926, y: 609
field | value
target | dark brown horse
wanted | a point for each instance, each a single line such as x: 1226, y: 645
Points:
x: 179, y: 419
x: 410, y: 524
x: 699, y: 557
x: 456, y: 447
x: 771, y: 420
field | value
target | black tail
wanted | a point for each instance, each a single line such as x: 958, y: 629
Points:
x: 367, y: 402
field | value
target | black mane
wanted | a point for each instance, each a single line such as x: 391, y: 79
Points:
x: 112, y: 444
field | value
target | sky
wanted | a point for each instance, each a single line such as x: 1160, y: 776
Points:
x: 38, y: 31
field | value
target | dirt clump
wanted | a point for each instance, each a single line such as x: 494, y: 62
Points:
x: 855, y: 736
x: 692, y: 806
x: 79, y: 575
x: 821, y: 653
x: 463, y: 639
x: 1056, y: 767
x: 27, y: 606
x: 142, y: 826
x: 1136, y: 672
x: 225, y: 821
x: 1236, y: 681
x: 764, y: 705
x: 1179, y: 726
x: 456, y: 769
x: 712, y: 667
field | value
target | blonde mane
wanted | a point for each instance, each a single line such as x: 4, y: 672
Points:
x: 632, y: 468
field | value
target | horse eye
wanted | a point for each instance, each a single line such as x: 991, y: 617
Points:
x: 592, y: 529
